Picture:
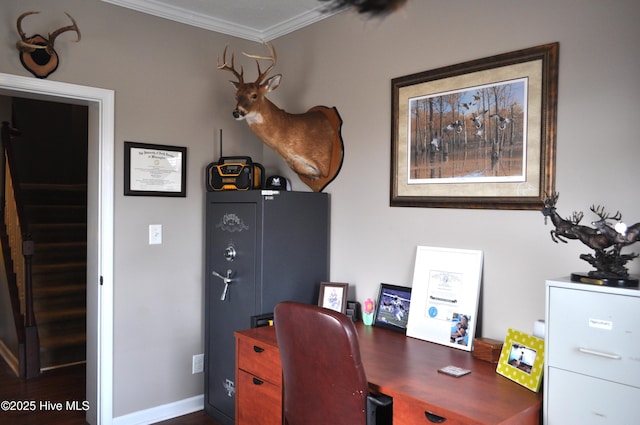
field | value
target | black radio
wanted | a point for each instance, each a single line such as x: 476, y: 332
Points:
x: 234, y: 173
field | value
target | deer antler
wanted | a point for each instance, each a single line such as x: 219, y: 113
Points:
x: 577, y: 217
x: 56, y: 33
x: 231, y: 68
x: 272, y: 57
x: 24, y: 45
x: 550, y: 200
x: 599, y: 211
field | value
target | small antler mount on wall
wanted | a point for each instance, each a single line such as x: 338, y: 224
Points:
x: 36, y: 52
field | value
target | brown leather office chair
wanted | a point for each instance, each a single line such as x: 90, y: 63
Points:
x: 324, y: 379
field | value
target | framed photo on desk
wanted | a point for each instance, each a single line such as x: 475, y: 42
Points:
x: 392, y: 311
x: 333, y: 296
x: 444, y: 300
x: 522, y: 359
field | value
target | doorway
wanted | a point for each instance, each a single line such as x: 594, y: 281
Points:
x: 100, y: 227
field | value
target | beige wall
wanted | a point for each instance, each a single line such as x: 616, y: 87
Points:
x: 168, y: 92
x: 347, y: 62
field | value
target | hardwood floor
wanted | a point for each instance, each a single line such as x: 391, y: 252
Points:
x: 58, y: 388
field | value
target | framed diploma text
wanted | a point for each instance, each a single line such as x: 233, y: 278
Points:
x: 154, y: 170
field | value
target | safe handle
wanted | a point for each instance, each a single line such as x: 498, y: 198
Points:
x: 227, y: 281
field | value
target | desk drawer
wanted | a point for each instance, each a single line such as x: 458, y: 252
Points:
x: 594, y: 334
x: 407, y: 411
x: 258, y: 402
x: 579, y: 399
x: 260, y: 360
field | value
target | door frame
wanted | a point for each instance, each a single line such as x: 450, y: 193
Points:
x: 100, y: 227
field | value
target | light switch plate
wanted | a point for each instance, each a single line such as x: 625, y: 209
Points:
x: 155, y: 234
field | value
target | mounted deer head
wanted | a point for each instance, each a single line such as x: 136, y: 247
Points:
x: 36, y: 52
x: 310, y: 143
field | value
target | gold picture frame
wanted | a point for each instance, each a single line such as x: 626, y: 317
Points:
x: 522, y: 359
x: 480, y: 134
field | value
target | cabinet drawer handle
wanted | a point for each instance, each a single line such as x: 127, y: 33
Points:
x: 432, y: 417
x: 256, y: 381
x: 600, y: 353
x: 258, y: 349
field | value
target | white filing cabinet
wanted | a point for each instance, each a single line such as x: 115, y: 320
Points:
x: 592, y: 360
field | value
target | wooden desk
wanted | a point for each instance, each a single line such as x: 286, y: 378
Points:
x: 406, y: 369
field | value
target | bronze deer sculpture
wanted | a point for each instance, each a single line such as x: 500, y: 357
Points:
x: 563, y: 228
x: 310, y: 143
x: 605, y: 239
x: 620, y: 236
x: 572, y: 229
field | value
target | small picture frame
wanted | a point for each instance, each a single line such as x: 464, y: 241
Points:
x: 522, y: 359
x: 392, y: 310
x: 333, y: 296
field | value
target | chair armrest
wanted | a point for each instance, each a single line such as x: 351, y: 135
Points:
x: 379, y: 409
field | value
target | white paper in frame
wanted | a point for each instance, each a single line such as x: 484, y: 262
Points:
x: 444, y: 297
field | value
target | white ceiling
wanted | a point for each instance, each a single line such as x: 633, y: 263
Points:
x: 256, y: 20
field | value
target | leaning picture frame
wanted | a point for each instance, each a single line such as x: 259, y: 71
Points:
x: 479, y: 134
x: 333, y: 296
x: 392, y: 309
x: 522, y: 359
x: 445, y: 295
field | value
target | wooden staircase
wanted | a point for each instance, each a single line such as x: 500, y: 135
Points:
x: 57, y: 216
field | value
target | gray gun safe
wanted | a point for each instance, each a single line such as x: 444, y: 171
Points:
x: 262, y: 247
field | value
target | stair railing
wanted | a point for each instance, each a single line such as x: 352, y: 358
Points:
x: 21, y: 249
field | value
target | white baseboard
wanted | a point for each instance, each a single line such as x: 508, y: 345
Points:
x: 162, y: 413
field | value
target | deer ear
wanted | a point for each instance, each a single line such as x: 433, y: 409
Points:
x: 273, y: 82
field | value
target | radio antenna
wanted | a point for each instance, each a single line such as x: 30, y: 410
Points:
x: 220, y: 143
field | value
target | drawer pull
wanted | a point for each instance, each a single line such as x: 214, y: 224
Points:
x: 258, y: 349
x: 256, y: 381
x: 432, y: 417
x: 600, y: 353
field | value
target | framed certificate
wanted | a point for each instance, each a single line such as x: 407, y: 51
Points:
x: 154, y: 170
x: 444, y: 297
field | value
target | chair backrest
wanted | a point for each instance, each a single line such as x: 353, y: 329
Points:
x: 324, y: 380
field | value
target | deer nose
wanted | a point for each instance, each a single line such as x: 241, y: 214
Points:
x: 236, y: 114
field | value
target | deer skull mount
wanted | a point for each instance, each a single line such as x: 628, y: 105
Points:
x: 36, y: 52
x: 310, y: 143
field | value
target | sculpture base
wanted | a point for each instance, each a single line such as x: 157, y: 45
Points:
x: 605, y: 281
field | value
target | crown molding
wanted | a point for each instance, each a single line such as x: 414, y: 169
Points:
x: 212, y: 23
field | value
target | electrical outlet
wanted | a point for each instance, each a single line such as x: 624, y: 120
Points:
x: 197, y: 365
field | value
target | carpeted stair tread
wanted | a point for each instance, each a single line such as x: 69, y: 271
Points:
x: 63, y: 340
x: 45, y: 317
